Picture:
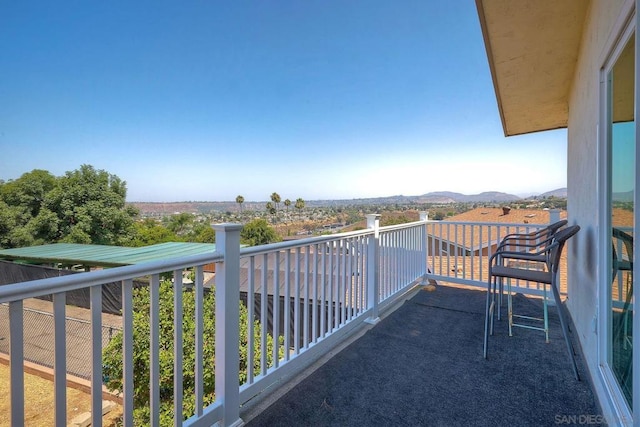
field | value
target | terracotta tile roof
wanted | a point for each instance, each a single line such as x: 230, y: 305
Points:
x: 622, y: 217
x: 515, y: 216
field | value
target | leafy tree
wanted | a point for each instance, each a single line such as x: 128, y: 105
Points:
x: 258, y: 232
x: 393, y: 220
x: 29, y: 190
x: 202, y: 233
x: 7, y: 223
x: 287, y: 203
x: 90, y: 206
x: 151, y: 232
x: 181, y: 223
x: 112, y: 354
x: 240, y: 201
x: 23, y: 220
x: 83, y: 206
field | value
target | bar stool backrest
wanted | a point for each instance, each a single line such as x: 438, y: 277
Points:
x: 559, y: 239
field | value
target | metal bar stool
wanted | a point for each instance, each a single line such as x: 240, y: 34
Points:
x: 498, y: 272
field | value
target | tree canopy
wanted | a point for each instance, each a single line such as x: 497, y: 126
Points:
x: 258, y: 232
x: 82, y: 206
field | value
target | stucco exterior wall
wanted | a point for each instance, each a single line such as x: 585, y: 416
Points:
x: 583, y: 199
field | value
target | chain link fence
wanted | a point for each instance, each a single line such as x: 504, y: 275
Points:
x: 39, y: 339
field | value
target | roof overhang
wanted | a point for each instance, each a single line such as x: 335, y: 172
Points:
x: 532, y: 47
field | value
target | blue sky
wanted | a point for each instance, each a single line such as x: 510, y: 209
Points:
x: 206, y: 100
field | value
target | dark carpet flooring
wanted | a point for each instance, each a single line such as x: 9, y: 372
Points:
x: 422, y: 366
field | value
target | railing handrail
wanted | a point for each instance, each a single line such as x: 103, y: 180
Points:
x: 40, y: 287
x: 489, y: 224
x: 295, y: 243
x: 52, y: 285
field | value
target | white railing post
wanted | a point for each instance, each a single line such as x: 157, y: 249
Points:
x: 16, y: 361
x: 424, y: 216
x: 228, y: 323
x: 554, y: 215
x: 373, y: 268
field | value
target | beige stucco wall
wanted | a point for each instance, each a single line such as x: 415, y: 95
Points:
x: 583, y: 199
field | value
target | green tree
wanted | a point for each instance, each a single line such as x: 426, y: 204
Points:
x: 271, y: 210
x: 181, y: 224
x: 438, y: 215
x: 151, y: 232
x: 112, y: 354
x: 287, y: 203
x: 29, y: 190
x: 393, y: 220
x: 23, y: 220
x: 83, y: 206
x: 202, y: 233
x: 299, y: 206
x: 275, y: 198
x: 90, y: 207
x: 7, y: 223
x: 240, y: 201
x: 258, y: 232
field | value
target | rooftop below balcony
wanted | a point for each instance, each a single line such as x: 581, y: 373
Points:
x: 422, y: 364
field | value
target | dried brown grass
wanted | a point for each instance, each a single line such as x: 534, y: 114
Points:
x: 39, y: 402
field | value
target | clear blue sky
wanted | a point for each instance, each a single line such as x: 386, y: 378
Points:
x: 206, y: 100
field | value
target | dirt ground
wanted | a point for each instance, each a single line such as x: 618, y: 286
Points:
x: 39, y: 402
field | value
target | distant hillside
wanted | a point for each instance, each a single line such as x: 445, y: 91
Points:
x: 449, y: 197
x: 623, y: 197
x: 560, y: 192
x: 438, y: 197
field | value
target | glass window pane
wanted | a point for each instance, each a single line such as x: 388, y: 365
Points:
x: 622, y: 147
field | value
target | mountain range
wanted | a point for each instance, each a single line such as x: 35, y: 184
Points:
x: 441, y: 197
x: 437, y: 197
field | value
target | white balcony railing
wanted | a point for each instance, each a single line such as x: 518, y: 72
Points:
x: 302, y: 298
x: 459, y: 252
x: 307, y: 295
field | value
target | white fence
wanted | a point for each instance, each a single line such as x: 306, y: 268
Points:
x: 302, y: 298
x: 459, y: 252
x: 308, y: 295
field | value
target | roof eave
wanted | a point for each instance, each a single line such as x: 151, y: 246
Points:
x: 532, y: 48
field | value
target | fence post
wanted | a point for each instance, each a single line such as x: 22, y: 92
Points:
x: 373, y: 268
x: 228, y: 323
x: 554, y: 215
x: 424, y: 216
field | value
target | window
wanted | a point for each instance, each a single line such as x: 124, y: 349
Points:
x: 621, y: 167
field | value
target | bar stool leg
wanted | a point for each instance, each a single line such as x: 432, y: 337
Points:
x: 510, y: 307
x: 546, y: 312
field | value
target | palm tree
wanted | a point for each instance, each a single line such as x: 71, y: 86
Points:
x: 299, y: 205
x: 270, y: 209
x: 240, y: 201
x: 275, y: 198
x: 287, y: 203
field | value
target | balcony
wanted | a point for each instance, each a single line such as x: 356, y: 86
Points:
x: 408, y: 356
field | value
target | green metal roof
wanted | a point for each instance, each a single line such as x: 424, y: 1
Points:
x: 101, y: 255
